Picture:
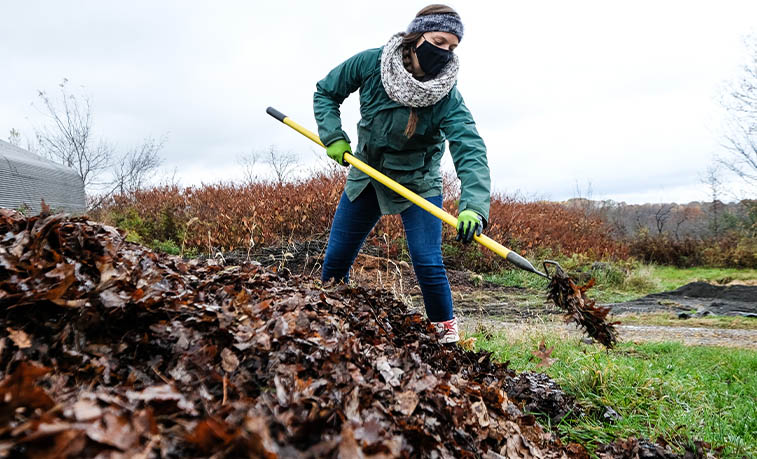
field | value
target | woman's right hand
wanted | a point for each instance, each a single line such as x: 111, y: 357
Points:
x: 337, y: 149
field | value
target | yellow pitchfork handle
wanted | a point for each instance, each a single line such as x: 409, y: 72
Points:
x: 437, y: 212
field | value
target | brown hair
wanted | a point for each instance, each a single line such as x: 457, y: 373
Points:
x: 408, y: 42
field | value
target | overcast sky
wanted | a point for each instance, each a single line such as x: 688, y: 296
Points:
x: 619, y: 95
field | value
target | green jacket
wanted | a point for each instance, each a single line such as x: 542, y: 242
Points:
x: 413, y: 162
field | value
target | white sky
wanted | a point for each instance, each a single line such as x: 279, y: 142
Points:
x: 619, y: 95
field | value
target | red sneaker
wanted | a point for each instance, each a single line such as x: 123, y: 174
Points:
x: 447, y: 331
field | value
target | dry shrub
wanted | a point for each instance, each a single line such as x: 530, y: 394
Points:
x: 531, y: 226
x: 230, y: 216
x: 731, y: 250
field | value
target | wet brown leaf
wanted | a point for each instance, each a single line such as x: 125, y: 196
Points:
x: 348, y: 447
x: 19, y: 389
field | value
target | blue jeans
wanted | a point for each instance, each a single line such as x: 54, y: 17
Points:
x: 353, y: 221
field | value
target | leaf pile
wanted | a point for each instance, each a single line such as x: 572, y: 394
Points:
x: 580, y: 309
x: 112, y: 351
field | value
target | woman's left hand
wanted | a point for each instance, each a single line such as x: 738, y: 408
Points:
x: 468, y: 224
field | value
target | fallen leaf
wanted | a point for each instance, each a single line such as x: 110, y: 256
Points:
x: 406, y: 402
x: 113, y: 430
x: 229, y: 360
x: 543, y: 354
x: 391, y: 375
x: 348, y: 447
x: 479, y: 410
x: 86, y: 410
x: 162, y: 393
x: 19, y: 338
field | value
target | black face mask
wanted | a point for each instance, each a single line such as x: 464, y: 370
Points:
x: 432, y: 58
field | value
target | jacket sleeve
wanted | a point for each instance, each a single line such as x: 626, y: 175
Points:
x: 468, y: 155
x: 331, y: 91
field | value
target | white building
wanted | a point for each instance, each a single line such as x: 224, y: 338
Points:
x: 26, y: 179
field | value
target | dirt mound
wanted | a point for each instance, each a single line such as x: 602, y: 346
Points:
x: 715, y: 299
x: 743, y: 293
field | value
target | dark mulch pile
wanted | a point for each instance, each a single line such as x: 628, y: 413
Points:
x: 110, y: 350
x: 728, y: 300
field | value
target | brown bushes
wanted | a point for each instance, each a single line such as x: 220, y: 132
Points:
x: 231, y: 216
x: 228, y: 216
x: 732, y: 250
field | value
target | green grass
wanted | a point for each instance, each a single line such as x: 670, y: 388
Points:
x: 668, y: 390
x: 671, y: 277
x: 517, y: 278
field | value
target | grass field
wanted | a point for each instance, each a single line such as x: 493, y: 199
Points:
x: 663, y: 390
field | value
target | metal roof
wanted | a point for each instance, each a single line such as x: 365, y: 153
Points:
x: 26, y: 179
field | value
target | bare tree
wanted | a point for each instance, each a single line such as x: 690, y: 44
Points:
x: 712, y: 178
x: 742, y: 160
x: 683, y: 214
x: 741, y: 105
x: 639, y: 218
x: 583, y: 200
x: 661, y: 216
x: 15, y: 137
x: 134, y: 170
x: 615, y: 214
x: 69, y: 141
x: 283, y: 164
x: 248, y: 163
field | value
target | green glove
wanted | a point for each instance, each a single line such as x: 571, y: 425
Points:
x: 468, y: 224
x: 337, y: 149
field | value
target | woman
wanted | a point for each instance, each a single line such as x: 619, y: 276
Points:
x: 409, y: 105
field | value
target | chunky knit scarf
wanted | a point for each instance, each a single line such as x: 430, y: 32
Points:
x: 403, y: 88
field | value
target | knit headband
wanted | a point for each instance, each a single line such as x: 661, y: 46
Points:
x: 442, y: 22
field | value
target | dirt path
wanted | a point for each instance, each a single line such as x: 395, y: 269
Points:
x: 690, y: 336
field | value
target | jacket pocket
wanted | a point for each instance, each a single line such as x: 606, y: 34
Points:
x: 403, y: 161
x: 388, y: 129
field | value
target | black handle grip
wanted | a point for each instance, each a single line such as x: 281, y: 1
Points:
x: 275, y: 113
